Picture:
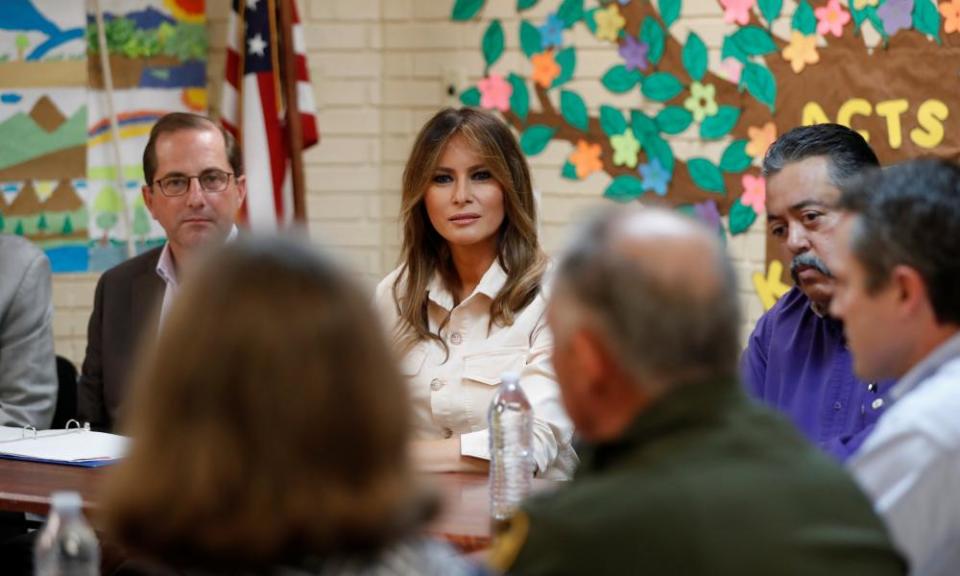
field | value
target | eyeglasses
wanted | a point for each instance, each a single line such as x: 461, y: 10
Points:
x: 210, y: 180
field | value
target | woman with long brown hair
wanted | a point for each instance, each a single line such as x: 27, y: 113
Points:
x: 266, y: 429
x: 467, y: 302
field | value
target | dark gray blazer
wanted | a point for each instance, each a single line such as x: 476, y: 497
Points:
x: 126, y: 309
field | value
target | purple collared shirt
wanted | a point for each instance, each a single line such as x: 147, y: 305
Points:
x: 797, y: 362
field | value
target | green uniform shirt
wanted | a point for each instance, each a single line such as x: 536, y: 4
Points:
x: 703, y: 482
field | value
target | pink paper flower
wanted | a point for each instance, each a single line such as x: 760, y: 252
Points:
x: 732, y: 69
x: 831, y: 19
x: 737, y: 11
x: 495, y: 93
x: 754, y: 193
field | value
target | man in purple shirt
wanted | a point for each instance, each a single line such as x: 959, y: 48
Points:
x: 797, y: 359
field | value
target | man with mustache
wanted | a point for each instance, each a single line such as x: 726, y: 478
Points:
x: 194, y: 187
x: 796, y: 359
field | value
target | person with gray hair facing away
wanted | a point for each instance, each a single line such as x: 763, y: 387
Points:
x: 898, y: 294
x: 681, y: 473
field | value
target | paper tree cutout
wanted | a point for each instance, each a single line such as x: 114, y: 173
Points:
x: 758, y: 93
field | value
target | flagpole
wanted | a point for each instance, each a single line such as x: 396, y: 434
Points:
x: 288, y: 77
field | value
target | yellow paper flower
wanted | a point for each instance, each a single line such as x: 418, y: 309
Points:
x: 545, y: 68
x: 586, y: 159
x: 625, y: 149
x: 861, y: 4
x: 801, y: 51
x: 702, y: 101
x: 760, y: 139
x: 609, y: 23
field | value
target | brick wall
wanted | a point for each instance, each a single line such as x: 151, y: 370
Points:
x: 378, y: 69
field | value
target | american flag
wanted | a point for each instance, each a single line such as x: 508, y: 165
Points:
x: 254, y: 111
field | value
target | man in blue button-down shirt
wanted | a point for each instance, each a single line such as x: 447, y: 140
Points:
x: 796, y: 359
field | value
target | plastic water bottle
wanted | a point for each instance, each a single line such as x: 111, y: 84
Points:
x: 511, y: 449
x: 67, y: 546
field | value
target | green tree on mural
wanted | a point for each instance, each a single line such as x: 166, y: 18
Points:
x: 762, y: 74
x: 19, y: 229
x: 1, y: 222
x: 67, y: 229
x: 141, y: 220
x: 42, y: 224
x: 22, y: 43
x: 108, y: 206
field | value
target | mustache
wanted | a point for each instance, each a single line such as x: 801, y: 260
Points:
x: 807, y: 260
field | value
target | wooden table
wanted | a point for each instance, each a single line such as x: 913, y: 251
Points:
x: 464, y: 520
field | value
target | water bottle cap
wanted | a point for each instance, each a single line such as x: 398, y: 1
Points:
x: 510, y: 378
x: 66, y: 501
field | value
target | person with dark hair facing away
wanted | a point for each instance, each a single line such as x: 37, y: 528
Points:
x: 467, y: 302
x: 194, y: 189
x: 681, y: 474
x: 277, y: 442
x: 796, y: 359
x: 898, y: 294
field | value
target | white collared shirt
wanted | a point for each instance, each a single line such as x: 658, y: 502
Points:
x: 453, y: 396
x: 167, y: 271
x: 910, y: 464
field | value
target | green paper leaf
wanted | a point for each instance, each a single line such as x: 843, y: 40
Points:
x: 526, y: 4
x: 695, y: 57
x: 661, y: 86
x: 642, y: 125
x: 535, y: 138
x: 770, y: 9
x: 877, y: 23
x: 612, y: 121
x: 674, y: 119
x: 652, y: 33
x: 731, y: 49
x: 804, y: 20
x: 926, y: 18
x: 753, y: 41
x: 760, y: 83
x: 705, y: 174
x: 619, y: 80
x: 493, y: 43
x: 659, y: 149
x: 567, y: 60
x: 669, y: 11
x: 570, y: 12
x: 520, y: 98
x: 466, y: 9
x: 530, y: 40
x: 720, y: 124
x: 735, y: 157
x: 624, y: 188
x: 574, y: 111
x: 589, y: 18
x: 859, y: 15
x: 741, y: 217
x: 470, y: 97
x: 569, y: 171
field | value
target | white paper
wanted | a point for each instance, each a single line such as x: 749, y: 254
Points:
x: 476, y: 444
x: 73, y: 445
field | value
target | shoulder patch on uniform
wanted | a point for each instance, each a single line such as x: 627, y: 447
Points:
x: 506, y: 546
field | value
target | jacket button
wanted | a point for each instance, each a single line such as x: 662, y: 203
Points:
x: 447, y: 433
x: 877, y: 404
x: 456, y: 339
x: 436, y: 384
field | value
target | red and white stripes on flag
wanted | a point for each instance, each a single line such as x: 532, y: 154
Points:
x: 253, y: 108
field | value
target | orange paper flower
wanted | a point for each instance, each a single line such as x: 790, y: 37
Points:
x: 951, y: 16
x: 545, y: 68
x: 586, y: 159
x: 801, y: 51
x: 760, y: 139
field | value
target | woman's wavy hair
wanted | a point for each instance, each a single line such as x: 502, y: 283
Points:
x: 269, y: 423
x: 426, y: 253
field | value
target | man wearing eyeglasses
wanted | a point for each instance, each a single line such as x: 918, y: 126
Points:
x: 194, y: 187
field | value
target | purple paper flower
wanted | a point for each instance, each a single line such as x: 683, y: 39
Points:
x: 634, y: 54
x: 896, y: 15
x: 708, y: 213
x: 654, y: 177
x: 624, y: 2
x: 551, y: 33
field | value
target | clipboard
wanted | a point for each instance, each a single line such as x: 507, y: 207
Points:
x: 74, y: 445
